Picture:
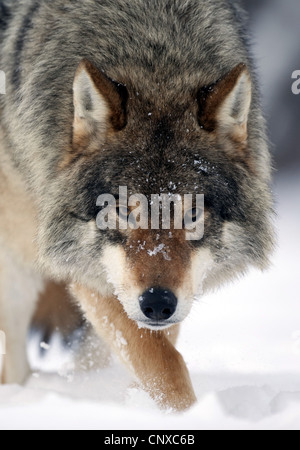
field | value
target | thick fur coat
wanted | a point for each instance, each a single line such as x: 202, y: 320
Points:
x: 149, y: 94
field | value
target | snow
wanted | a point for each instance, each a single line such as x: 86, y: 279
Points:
x: 156, y: 250
x: 242, y: 347
x: 45, y: 346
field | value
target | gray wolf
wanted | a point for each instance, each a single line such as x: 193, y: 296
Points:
x: 154, y: 95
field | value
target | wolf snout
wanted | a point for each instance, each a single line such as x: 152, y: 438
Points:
x: 158, y: 305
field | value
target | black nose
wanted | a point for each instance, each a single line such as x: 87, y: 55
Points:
x: 158, y: 304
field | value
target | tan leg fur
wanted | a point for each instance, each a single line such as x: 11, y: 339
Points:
x: 150, y: 355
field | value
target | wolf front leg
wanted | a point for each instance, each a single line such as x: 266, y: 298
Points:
x: 150, y: 355
x: 19, y: 289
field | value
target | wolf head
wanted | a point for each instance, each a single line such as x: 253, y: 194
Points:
x: 204, y: 142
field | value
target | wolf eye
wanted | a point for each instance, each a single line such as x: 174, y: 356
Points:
x: 193, y: 216
x: 123, y: 212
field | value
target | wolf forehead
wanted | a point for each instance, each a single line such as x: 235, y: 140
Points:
x: 156, y: 156
x: 155, y: 170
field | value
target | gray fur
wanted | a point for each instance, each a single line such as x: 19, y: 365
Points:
x: 164, y: 51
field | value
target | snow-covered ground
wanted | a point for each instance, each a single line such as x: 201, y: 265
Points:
x: 242, y: 346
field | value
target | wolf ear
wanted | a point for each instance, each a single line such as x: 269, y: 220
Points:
x: 99, y: 106
x: 225, y: 105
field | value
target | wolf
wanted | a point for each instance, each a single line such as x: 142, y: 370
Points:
x: 157, y: 96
